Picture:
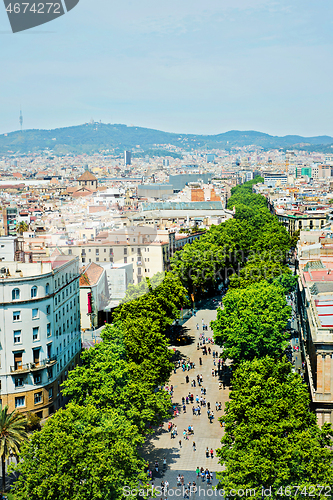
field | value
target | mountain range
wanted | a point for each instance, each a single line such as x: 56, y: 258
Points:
x: 94, y: 137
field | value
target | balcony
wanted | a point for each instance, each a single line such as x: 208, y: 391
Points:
x: 20, y: 368
x: 32, y: 367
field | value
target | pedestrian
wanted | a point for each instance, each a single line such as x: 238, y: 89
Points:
x: 217, y: 406
x: 182, y: 480
x: 184, y: 433
x: 178, y: 480
x: 184, y: 408
x: 200, y: 361
x: 180, y: 443
x: 211, y: 453
x: 209, y: 350
x: 193, y: 445
x: 204, y: 392
x: 193, y: 410
x: 197, y: 471
x: 166, y: 485
x: 176, y: 430
x: 207, y: 452
x: 220, y: 405
x: 187, y: 400
x: 187, y: 378
x: 213, y: 371
x: 208, y: 406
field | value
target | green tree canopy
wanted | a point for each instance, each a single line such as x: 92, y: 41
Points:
x: 271, y: 438
x: 252, y: 322
x: 81, y: 453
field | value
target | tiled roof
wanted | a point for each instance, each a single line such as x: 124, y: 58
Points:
x: 87, y: 176
x: 91, y: 275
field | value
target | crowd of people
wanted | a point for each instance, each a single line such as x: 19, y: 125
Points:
x: 195, y: 401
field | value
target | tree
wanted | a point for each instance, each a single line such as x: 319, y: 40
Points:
x: 12, y: 435
x: 257, y: 270
x: 22, y: 227
x: 81, y: 453
x: 252, y: 322
x: 123, y: 372
x: 271, y: 437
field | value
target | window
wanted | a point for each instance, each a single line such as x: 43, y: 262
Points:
x: 19, y: 402
x: 83, y: 260
x: 70, y: 289
x: 50, y: 394
x: 47, y: 288
x: 37, y: 379
x: 125, y: 251
x: 139, y: 270
x: 38, y: 398
x: 66, y: 307
x: 33, y: 292
x: 17, y: 336
x: 19, y: 382
x: 17, y: 316
x: 35, y: 333
x: 97, y: 259
x: 70, y: 304
x: 17, y: 361
x: 125, y: 260
x: 16, y: 294
x: 63, y: 295
x: 74, y: 302
x: 97, y: 251
x: 36, y: 355
x: 66, y: 292
x: 104, y: 250
x: 34, y: 313
x: 69, y: 251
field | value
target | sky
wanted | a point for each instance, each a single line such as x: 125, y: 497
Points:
x: 186, y: 66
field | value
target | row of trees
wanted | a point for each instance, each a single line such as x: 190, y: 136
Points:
x: 89, y: 450
x: 271, y: 441
x: 251, y: 246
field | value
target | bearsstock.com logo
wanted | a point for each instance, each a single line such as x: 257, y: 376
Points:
x: 24, y: 15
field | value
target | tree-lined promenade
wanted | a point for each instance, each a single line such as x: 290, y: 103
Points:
x: 90, y: 449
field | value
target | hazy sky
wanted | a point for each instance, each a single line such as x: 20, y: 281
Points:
x: 179, y: 65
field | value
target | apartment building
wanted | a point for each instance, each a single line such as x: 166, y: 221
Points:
x: 148, y: 250
x: 39, y: 332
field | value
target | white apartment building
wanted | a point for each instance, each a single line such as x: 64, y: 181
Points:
x: 39, y: 332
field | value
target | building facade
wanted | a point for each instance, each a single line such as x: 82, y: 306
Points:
x: 40, y: 338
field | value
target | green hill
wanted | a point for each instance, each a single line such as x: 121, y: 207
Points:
x: 94, y: 137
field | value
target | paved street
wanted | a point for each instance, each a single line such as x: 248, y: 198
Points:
x: 183, y: 459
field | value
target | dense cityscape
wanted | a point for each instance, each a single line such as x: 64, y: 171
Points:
x: 166, y: 250
x: 142, y: 294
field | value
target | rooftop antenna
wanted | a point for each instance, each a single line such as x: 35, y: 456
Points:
x: 21, y: 119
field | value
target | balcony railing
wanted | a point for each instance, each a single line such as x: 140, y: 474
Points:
x: 20, y: 368
x: 38, y: 365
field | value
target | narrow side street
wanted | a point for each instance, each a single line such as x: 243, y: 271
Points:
x: 183, y: 459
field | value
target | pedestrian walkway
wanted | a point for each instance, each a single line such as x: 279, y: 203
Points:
x: 181, y: 458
